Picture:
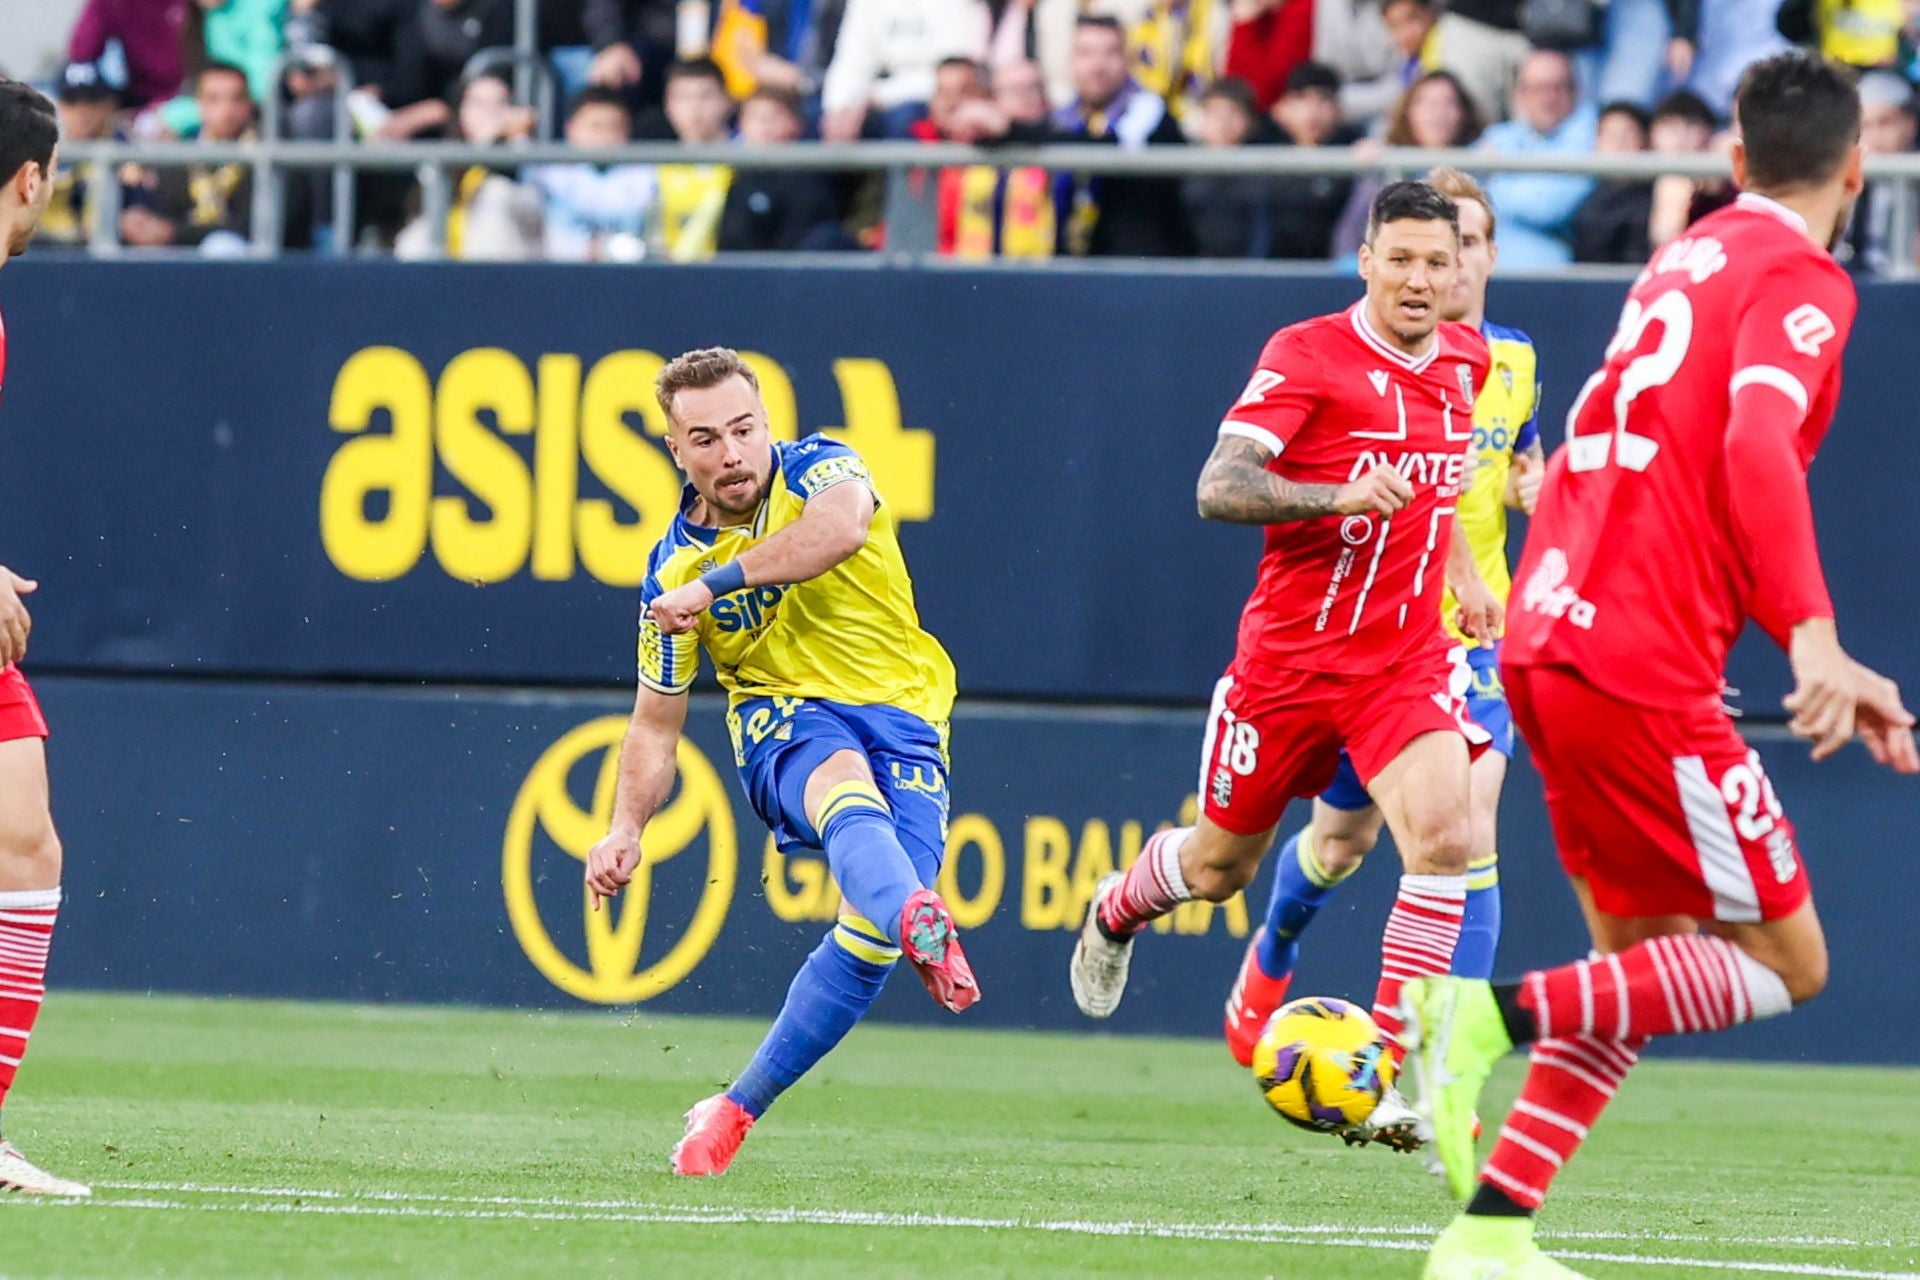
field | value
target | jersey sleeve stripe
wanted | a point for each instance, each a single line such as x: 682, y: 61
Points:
x: 1259, y: 435
x: 1768, y: 375
x: 671, y: 691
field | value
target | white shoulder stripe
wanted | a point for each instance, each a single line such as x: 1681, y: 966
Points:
x: 1259, y: 435
x: 1768, y: 375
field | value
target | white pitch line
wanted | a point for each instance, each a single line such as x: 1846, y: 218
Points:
x: 400, y: 1205
x: 836, y: 1217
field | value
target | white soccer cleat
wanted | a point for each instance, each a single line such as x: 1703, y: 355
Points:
x: 1393, y: 1123
x: 1099, y: 969
x: 21, y: 1175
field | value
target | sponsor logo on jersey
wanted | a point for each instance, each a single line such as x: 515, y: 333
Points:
x: 1419, y: 466
x: 656, y: 932
x: 1547, y: 592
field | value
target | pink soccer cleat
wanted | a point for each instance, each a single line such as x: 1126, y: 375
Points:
x: 928, y: 939
x: 1251, y: 1004
x: 715, y: 1129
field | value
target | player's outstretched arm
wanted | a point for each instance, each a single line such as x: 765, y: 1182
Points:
x: 647, y: 756
x: 1236, y: 488
x: 831, y: 528
x: 1524, y: 480
x: 1883, y: 721
x: 15, y: 621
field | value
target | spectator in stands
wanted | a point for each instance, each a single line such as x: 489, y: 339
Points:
x: 1020, y: 91
x: 1887, y: 127
x: 596, y: 213
x: 1611, y: 224
x: 783, y: 211
x: 778, y: 44
x: 1723, y: 38
x: 494, y: 218
x: 1412, y: 26
x: 1307, y: 207
x: 250, y: 34
x: 204, y: 206
x: 1536, y: 209
x: 431, y: 50
x: 694, y: 196
x: 1683, y: 125
x: 1132, y: 217
x: 149, y: 35
x: 1231, y: 214
x: 1435, y: 112
x: 1860, y: 33
x: 1268, y: 40
x: 1177, y: 48
x: 1350, y: 36
x: 633, y: 41
x: 88, y: 106
x: 1484, y: 45
x: 1036, y: 31
x: 884, y: 58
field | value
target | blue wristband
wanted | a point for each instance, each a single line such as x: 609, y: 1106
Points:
x: 725, y: 580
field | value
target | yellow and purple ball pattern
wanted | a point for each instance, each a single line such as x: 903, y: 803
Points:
x: 1322, y: 1063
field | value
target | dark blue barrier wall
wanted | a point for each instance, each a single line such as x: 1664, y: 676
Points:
x: 310, y: 468
x: 375, y: 845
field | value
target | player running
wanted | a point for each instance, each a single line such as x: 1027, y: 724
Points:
x: 1350, y: 444
x: 1677, y: 510
x: 785, y: 567
x: 29, y: 847
x: 1346, y: 823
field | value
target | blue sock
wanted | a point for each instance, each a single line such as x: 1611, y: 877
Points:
x: 833, y: 988
x: 865, y: 854
x: 1300, y: 887
x: 1480, y: 927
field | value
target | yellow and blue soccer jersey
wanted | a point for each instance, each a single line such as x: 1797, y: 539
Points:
x: 1506, y: 421
x: 851, y: 635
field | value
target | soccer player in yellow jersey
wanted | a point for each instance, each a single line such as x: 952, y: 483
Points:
x: 1509, y: 465
x: 785, y: 567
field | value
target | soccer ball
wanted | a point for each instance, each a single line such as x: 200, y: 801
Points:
x: 1322, y: 1064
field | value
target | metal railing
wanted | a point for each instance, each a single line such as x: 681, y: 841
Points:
x: 434, y: 162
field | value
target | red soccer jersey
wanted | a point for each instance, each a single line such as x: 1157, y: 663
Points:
x: 1659, y: 518
x: 1331, y: 399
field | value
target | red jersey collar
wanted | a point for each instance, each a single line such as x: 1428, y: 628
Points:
x: 1362, y: 326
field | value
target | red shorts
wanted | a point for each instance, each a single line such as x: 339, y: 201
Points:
x: 1275, y: 735
x: 1661, y: 812
x: 19, y: 713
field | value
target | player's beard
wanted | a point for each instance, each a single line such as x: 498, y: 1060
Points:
x: 1840, y: 225
x: 745, y: 505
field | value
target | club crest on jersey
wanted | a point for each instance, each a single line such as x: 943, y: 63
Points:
x: 1466, y: 383
x: 1379, y: 380
x: 1506, y: 378
x: 1222, y: 787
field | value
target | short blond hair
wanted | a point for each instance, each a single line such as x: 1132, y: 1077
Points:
x: 698, y: 370
x: 1458, y: 186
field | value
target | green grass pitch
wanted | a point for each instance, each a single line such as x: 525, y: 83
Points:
x: 232, y: 1138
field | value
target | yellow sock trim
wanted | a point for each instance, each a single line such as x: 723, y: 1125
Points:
x: 1315, y: 870
x: 1483, y: 873
x: 849, y: 940
x: 864, y: 927
x: 848, y: 795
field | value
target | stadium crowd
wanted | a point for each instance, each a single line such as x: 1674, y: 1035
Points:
x: 1540, y: 76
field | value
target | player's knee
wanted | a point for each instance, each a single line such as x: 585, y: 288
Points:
x: 1439, y: 843
x: 1338, y: 855
x: 1805, y: 976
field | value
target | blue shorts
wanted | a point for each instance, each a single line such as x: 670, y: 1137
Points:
x: 779, y: 742
x: 1486, y: 703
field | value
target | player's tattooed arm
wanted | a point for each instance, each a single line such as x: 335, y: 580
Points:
x: 1236, y: 488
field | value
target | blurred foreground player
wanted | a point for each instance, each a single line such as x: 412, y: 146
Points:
x: 1677, y: 510
x: 785, y: 567
x: 1508, y: 463
x: 29, y: 849
x: 1350, y: 445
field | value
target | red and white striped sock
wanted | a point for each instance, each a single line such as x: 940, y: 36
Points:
x: 1570, y: 1082
x: 26, y: 934
x: 1684, y: 982
x: 1421, y: 933
x: 1154, y: 885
